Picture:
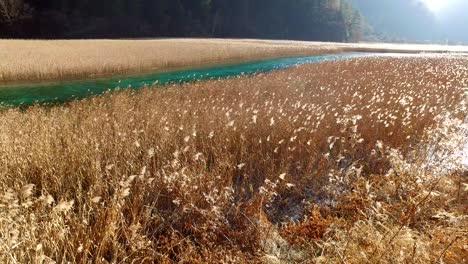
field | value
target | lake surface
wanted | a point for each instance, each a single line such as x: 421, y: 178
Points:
x: 62, y: 91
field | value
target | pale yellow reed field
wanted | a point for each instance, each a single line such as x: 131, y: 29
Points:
x: 39, y: 60
x: 29, y: 60
x: 350, y: 161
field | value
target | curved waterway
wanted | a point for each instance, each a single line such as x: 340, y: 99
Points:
x: 56, y: 92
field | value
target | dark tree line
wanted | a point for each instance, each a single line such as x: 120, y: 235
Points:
x: 328, y: 20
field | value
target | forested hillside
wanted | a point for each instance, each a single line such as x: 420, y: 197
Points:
x: 329, y: 20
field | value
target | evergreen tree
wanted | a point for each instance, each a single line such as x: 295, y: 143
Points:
x: 329, y: 20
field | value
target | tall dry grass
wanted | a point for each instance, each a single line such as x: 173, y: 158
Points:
x: 352, y: 161
x: 25, y: 60
x: 39, y: 60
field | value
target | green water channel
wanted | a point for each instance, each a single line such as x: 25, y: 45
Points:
x: 62, y: 91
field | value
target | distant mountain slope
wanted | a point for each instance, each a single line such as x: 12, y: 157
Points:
x: 454, y: 21
x: 405, y: 20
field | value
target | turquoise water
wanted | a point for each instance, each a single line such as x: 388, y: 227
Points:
x: 57, y: 92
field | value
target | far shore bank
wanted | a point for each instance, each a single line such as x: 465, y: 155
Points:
x: 51, y: 60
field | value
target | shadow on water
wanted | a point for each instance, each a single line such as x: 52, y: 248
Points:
x: 59, y: 92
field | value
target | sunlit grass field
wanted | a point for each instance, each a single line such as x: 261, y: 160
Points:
x: 29, y: 60
x: 350, y: 161
x: 39, y: 60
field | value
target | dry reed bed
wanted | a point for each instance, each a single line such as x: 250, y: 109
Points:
x: 33, y: 60
x: 325, y: 163
x: 23, y: 60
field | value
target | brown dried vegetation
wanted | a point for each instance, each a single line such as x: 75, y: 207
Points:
x: 352, y: 161
x: 33, y: 60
